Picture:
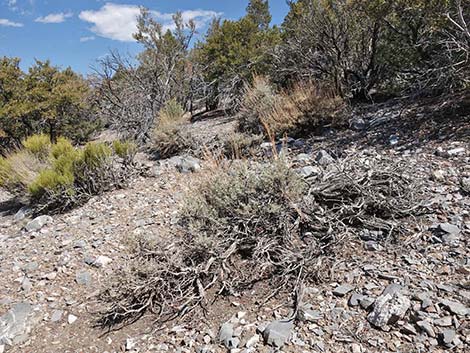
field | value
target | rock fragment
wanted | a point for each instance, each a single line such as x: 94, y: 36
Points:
x: 277, y: 333
x: 38, y: 223
x: 389, y: 308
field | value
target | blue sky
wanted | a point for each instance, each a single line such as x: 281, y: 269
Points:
x: 77, y: 32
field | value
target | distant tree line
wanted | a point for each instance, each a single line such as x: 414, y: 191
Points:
x: 354, y: 49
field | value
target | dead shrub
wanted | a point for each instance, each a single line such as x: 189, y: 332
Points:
x: 297, y: 111
x: 253, y: 222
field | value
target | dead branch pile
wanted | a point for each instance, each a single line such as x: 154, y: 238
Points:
x: 259, y: 222
x: 362, y: 194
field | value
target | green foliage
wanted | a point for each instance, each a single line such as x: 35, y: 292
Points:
x: 44, y: 99
x: 51, y: 181
x: 244, y: 201
x: 59, y: 175
x: 233, y: 52
x: 258, y: 12
x: 95, y: 155
x: 5, y: 171
x: 124, y: 149
x: 38, y: 145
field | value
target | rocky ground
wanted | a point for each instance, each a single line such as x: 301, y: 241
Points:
x: 407, y: 296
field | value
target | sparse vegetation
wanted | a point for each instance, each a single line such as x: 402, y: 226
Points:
x: 261, y: 221
x: 298, y: 110
x: 57, y: 175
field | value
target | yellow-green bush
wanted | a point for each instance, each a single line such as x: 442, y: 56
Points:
x: 38, y: 145
x: 51, y: 181
x: 59, y: 175
x: 95, y: 154
x: 62, y: 147
x: 124, y: 149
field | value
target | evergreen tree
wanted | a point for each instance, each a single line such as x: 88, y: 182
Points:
x: 258, y: 12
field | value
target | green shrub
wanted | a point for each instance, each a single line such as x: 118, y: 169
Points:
x: 124, y: 149
x: 62, y: 147
x: 51, y: 182
x: 66, y: 175
x: 95, y: 154
x: 246, y: 200
x: 38, y: 145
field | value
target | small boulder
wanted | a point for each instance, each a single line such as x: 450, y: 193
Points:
x: 323, y: 158
x: 186, y: 164
x: 227, y: 337
x: 277, y: 333
x: 38, y: 223
x: 342, y: 290
x: 390, y: 307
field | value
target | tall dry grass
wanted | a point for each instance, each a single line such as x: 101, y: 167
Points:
x: 302, y: 108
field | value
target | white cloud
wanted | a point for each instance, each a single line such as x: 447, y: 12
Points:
x: 87, y: 39
x: 54, y: 17
x: 119, y: 22
x: 8, y: 23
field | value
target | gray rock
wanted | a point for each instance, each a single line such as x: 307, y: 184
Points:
x: 357, y: 124
x: 392, y: 289
x: 388, y: 309
x: 324, y: 158
x: 226, y: 336
x: 83, y: 278
x: 408, y: 329
x: 57, y: 315
x: 277, y: 333
x: 455, y: 307
x: 366, y: 302
x: 444, y: 321
x: 342, y: 290
x: 30, y: 267
x: 26, y: 284
x: 447, y: 337
x: 16, y: 324
x: 79, y: 244
x: 303, y: 157
x: 426, y: 327
x: 186, y: 164
x: 355, y: 299
x: 372, y: 246
x: 449, y: 228
x: 308, y: 171
x: 22, y: 213
x: 37, y: 223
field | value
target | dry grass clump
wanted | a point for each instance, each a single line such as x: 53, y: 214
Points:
x: 170, y: 136
x: 252, y: 222
x: 296, y: 111
x: 241, y: 145
x: 58, y: 176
